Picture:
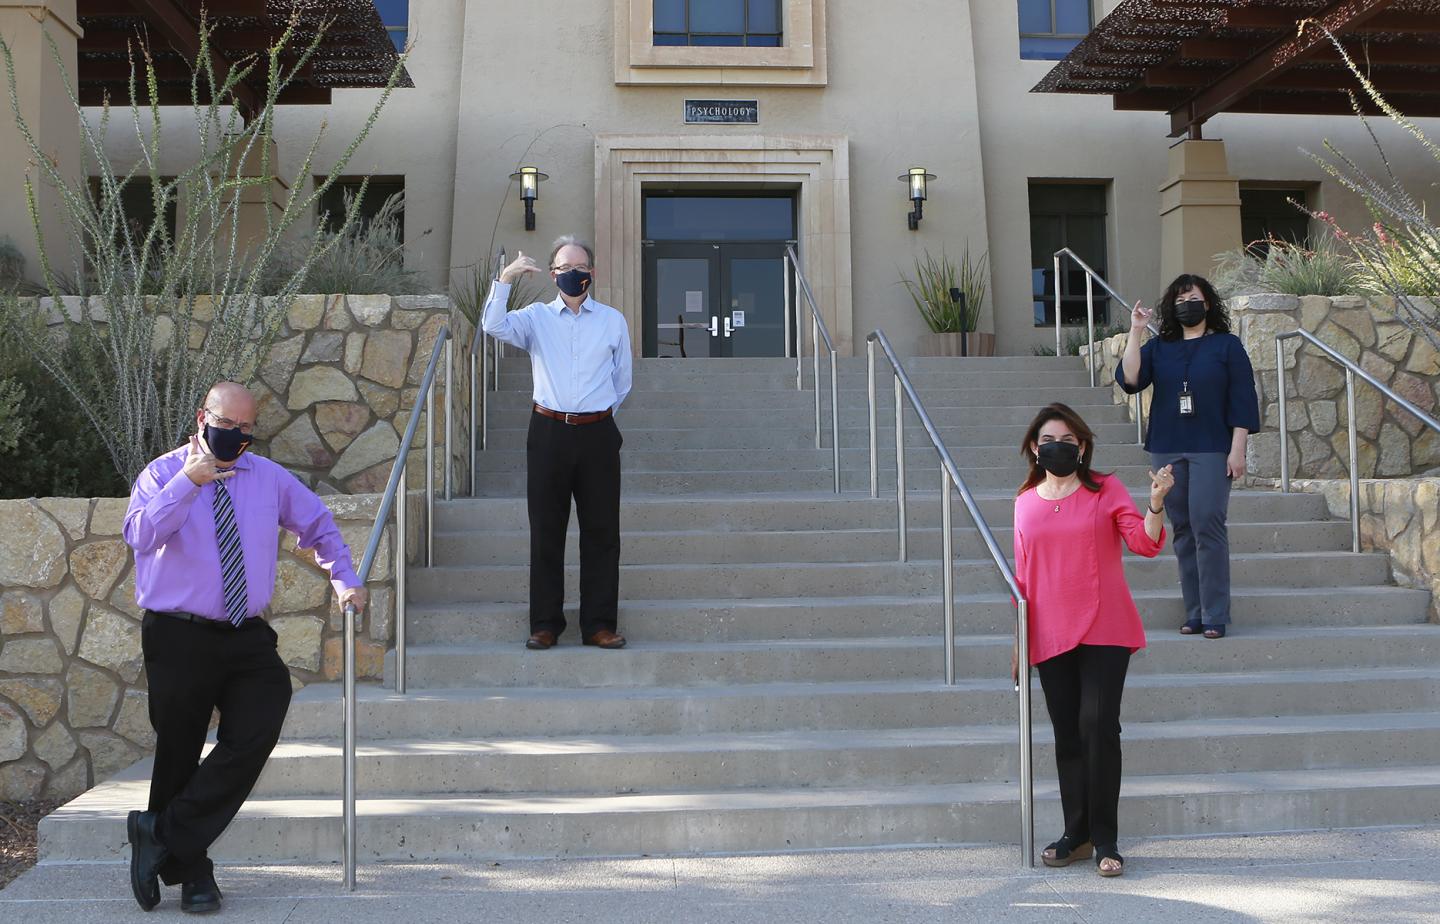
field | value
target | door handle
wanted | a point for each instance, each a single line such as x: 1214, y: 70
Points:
x: 715, y: 326
x: 727, y: 327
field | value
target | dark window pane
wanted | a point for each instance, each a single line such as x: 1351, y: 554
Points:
x: 717, y: 218
x: 1035, y: 17
x: 331, y: 205
x: 398, y: 37
x: 717, y: 16
x: 1066, y: 215
x: 1072, y: 17
x: 713, y: 40
x: 669, y: 15
x: 671, y: 39
x: 763, y: 41
x: 1046, y: 49
x: 394, y: 12
x: 764, y: 16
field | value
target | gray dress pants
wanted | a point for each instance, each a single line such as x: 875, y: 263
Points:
x: 1198, y: 506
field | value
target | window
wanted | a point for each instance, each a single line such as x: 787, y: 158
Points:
x: 1266, y: 213
x: 395, y: 15
x: 1050, y: 28
x: 331, y: 206
x: 754, y: 23
x: 1066, y: 215
x: 719, y: 218
x: 137, y: 204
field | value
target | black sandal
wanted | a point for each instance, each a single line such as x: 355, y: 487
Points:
x: 1215, y: 631
x: 1067, y: 851
x: 1191, y: 628
x: 1109, y: 853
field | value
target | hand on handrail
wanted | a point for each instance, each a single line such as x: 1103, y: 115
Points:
x: 354, y: 598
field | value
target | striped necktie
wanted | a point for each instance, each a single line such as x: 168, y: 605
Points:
x: 232, y: 557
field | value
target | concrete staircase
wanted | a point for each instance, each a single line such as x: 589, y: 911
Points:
x: 782, y: 686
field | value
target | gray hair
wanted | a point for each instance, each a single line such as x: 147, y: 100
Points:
x: 570, y: 240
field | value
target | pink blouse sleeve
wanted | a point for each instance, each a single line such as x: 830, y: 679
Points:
x: 1129, y: 522
x: 1019, y: 554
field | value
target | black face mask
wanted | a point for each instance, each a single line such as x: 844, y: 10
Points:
x: 1059, y: 459
x: 1190, y: 312
x: 573, y: 283
x: 226, y: 445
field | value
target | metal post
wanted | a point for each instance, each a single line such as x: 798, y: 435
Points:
x: 496, y: 341
x: 874, y: 436
x: 484, y: 392
x: 1027, y: 767
x: 789, y: 304
x: 1057, y: 304
x: 799, y: 331
x: 348, y: 770
x: 835, y: 416
x: 1139, y: 421
x: 900, y: 464
x: 402, y: 556
x: 947, y: 570
x: 430, y: 477
x: 1354, y: 462
x: 815, y: 342
x: 474, y: 431
x: 449, y: 415
x: 1284, y: 430
x: 1090, y: 324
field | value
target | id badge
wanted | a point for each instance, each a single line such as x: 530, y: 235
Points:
x: 1187, y: 401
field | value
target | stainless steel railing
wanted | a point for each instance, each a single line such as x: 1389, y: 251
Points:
x: 950, y: 480
x: 819, y: 333
x: 1351, y: 370
x: 1092, y: 277
x: 395, y: 485
x: 480, y: 386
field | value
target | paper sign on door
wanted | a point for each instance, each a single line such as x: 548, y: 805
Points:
x: 737, y: 319
x: 694, y: 302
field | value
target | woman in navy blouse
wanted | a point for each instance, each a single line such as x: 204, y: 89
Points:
x: 1202, y: 411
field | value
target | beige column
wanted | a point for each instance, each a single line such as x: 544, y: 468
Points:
x: 40, y: 89
x: 1199, y: 209
x: 257, y: 199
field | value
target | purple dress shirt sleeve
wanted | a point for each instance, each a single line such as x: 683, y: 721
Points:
x: 306, y: 515
x: 158, y: 506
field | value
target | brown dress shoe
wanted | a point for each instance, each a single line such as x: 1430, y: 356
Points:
x: 606, y: 639
x: 540, y: 640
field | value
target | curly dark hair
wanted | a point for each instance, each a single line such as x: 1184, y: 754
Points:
x: 1216, y: 318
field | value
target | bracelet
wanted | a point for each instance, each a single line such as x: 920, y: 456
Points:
x: 1159, y: 512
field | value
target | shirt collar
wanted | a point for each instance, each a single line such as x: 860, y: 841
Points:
x: 559, y: 304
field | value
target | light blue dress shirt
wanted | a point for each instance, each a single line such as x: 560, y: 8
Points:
x: 581, y: 362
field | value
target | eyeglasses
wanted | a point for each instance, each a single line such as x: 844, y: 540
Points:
x: 567, y: 267
x: 225, y: 423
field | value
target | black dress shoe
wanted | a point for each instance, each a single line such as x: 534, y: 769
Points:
x: 201, y: 896
x: 146, y: 855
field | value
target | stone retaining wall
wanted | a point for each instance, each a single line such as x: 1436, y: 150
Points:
x: 1391, y: 442
x: 73, y: 701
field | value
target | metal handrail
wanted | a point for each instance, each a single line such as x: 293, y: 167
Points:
x: 395, y: 484
x: 819, y: 332
x: 480, y: 344
x: 950, y: 478
x: 1351, y: 370
x: 1092, y: 277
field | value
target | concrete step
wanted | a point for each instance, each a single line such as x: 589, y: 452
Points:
x: 518, y: 363
x: 755, y: 619
x: 512, y: 547
x: 510, y: 583
x: 834, y: 759
x: 502, y: 827
x: 859, y: 660
x: 788, y: 410
x: 520, y: 711
x: 821, y: 509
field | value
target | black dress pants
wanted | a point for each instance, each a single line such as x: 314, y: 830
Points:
x: 580, y: 461
x: 192, y: 670
x: 1082, y: 692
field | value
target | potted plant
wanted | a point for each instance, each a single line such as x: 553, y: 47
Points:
x: 934, y: 290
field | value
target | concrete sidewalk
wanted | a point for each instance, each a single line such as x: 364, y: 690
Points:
x: 1375, y: 876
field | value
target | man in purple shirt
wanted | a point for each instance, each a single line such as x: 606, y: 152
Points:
x: 204, y: 523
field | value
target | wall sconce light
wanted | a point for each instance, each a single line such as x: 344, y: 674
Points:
x: 529, y: 178
x: 916, y: 179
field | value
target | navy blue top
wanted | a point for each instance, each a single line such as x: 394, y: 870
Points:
x: 1221, y: 380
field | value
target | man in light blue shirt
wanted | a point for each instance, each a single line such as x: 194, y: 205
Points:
x: 580, y: 357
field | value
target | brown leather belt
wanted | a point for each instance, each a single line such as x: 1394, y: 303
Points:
x: 572, y: 419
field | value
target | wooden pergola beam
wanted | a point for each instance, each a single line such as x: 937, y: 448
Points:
x: 120, y: 9
x: 176, y: 26
x: 1339, y: 17
x: 177, y: 94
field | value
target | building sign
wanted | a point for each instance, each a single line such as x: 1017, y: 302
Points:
x: 729, y: 111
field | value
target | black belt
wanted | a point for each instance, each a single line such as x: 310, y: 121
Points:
x: 205, y: 620
x: 571, y: 418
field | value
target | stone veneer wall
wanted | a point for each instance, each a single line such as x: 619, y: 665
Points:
x: 73, y: 701
x: 1392, y: 442
x: 1397, y: 515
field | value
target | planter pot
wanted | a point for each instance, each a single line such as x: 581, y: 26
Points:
x: 976, y: 344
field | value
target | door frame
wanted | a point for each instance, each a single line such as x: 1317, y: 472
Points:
x: 719, y: 307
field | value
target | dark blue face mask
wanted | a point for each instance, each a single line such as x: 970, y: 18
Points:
x: 226, y: 445
x: 574, y: 283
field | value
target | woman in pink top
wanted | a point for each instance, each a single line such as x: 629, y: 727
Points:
x: 1069, y: 524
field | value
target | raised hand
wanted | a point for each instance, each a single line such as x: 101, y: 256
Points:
x: 1160, y: 484
x: 201, y: 467
x: 1140, y: 317
x: 519, y: 267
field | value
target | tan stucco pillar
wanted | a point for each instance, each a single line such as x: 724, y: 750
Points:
x: 256, y: 199
x: 1199, y: 209
x: 45, y: 107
